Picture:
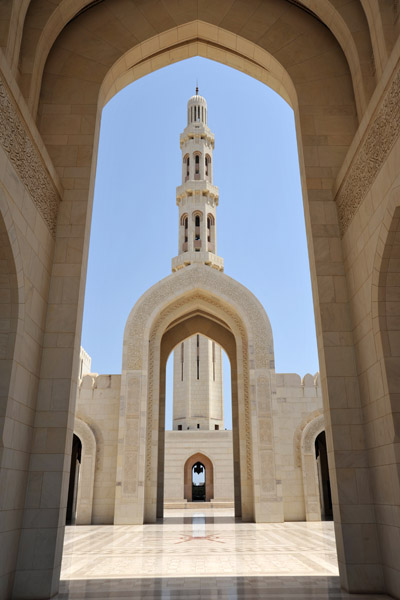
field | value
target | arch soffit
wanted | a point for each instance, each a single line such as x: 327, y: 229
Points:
x: 195, y: 287
x: 68, y: 9
x: 300, y: 432
x: 310, y: 433
x: 86, y: 435
x: 384, y: 245
x: 5, y: 211
x: 384, y: 239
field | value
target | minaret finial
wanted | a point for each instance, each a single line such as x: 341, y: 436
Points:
x: 197, y: 88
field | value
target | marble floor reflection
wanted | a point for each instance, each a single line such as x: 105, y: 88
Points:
x: 204, y: 555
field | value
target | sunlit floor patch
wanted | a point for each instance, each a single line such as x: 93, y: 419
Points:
x: 208, y: 553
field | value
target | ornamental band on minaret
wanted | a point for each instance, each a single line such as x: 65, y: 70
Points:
x: 198, y: 388
x: 197, y: 197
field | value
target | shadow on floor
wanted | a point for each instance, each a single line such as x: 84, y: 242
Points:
x: 209, y: 588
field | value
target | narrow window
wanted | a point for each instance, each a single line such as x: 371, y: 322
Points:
x: 187, y: 166
x: 186, y: 229
x: 182, y: 359
x: 197, y: 221
x: 198, y: 356
x: 179, y: 427
x: 198, y: 425
x: 213, y: 359
x: 197, y: 165
x: 206, y: 166
x: 216, y: 427
x: 202, y: 114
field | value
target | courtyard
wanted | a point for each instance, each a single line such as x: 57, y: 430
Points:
x: 201, y: 554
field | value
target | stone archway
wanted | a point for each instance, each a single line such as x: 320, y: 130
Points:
x: 309, y: 468
x: 196, y: 299
x: 330, y: 77
x: 209, y: 476
x: 86, y: 475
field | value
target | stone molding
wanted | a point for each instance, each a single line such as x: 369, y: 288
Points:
x: 376, y: 144
x: 26, y: 160
x: 298, y: 436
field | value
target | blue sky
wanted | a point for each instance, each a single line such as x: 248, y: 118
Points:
x: 260, y: 218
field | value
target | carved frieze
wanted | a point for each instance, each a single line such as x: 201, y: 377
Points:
x: 375, y: 147
x: 26, y: 160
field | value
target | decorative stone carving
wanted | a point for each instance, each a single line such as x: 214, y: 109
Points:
x: 376, y: 145
x: 25, y: 158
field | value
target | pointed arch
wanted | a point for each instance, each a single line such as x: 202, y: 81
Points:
x: 209, y: 475
x: 87, y: 472
x: 309, y: 467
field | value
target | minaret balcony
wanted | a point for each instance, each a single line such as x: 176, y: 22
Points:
x: 197, y: 244
x: 190, y: 187
x: 206, y: 258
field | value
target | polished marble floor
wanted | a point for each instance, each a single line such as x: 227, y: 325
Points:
x: 201, y: 555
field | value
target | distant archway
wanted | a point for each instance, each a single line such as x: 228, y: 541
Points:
x: 72, y: 500
x: 197, y: 299
x: 324, y: 483
x: 87, y: 468
x: 309, y: 468
x: 209, y: 476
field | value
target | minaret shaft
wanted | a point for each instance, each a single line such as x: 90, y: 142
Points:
x: 197, y: 197
x: 198, y: 387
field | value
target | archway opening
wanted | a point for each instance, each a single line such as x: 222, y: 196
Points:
x: 76, y: 457
x: 325, y: 496
x: 198, y: 482
x: 198, y: 419
x: 211, y: 331
x: 198, y: 479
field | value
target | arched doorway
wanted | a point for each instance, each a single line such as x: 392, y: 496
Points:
x: 198, y: 479
x: 325, y: 496
x: 198, y: 482
x: 196, y: 300
x: 76, y: 456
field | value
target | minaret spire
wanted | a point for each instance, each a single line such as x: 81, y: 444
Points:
x: 197, y: 197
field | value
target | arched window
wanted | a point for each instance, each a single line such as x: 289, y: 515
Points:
x: 210, y: 233
x: 197, y: 221
x: 207, y: 165
x: 197, y: 164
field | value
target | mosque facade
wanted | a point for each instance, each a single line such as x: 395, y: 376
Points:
x: 199, y: 459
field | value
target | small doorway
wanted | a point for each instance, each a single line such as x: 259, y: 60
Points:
x: 198, y: 482
x: 198, y: 478
x: 323, y: 477
x: 76, y: 456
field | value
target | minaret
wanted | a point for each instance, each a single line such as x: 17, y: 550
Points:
x: 197, y: 197
x: 198, y: 386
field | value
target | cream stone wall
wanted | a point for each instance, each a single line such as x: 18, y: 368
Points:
x: 297, y: 404
x: 215, y: 445
x: 98, y: 406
